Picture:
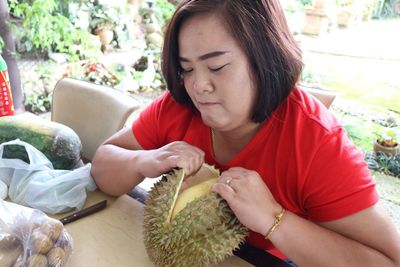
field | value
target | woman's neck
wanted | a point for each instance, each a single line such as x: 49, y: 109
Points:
x: 227, y: 144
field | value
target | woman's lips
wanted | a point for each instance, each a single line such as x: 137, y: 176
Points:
x: 207, y: 104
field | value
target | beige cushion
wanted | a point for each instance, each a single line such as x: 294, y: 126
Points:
x: 94, y: 112
x: 325, y: 97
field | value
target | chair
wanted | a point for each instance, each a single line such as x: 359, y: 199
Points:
x: 93, y: 111
x: 325, y: 97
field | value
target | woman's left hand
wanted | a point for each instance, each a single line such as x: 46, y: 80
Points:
x: 249, y: 198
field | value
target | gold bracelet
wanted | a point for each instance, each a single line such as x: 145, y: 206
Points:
x: 278, y: 220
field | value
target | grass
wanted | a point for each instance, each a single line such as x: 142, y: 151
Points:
x: 361, y: 132
x: 388, y: 187
x: 369, y: 82
x: 360, y: 63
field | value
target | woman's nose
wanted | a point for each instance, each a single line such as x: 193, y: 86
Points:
x: 202, y: 84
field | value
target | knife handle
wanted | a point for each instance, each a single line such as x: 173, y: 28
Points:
x: 85, y: 212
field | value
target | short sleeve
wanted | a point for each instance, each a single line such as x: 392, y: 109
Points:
x: 162, y: 122
x: 339, y: 182
x: 145, y: 127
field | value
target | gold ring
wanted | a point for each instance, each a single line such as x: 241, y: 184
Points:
x: 229, y: 181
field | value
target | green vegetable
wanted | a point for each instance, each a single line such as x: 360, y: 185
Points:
x: 59, y: 143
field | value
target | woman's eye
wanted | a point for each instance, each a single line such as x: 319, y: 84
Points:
x: 186, y: 70
x: 217, y: 69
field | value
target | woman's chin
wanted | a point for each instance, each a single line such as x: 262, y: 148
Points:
x: 211, y: 122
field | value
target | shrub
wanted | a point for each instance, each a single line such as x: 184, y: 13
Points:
x: 389, y: 165
x: 46, y: 29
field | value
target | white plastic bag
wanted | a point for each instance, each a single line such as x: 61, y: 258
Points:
x: 39, y: 186
x: 28, y: 237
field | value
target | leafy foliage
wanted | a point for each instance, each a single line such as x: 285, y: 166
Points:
x: 166, y: 9
x: 359, y: 131
x: 384, y: 163
x: 39, y: 99
x: 389, y: 9
x: 38, y: 102
x: 102, y: 17
x: 46, y: 29
x: 94, y: 72
x: 306, y: 2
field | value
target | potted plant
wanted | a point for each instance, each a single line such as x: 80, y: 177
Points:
x: 102, y: 23
x: 387, y: 142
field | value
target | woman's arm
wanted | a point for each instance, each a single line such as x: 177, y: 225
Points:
x: 120, y: 163
x: 367, y: 238
x: 114, y: 163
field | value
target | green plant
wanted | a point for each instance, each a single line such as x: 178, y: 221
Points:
x: 384, y: 163
x: 46, y: 29
x: 306, y: 2
x: 102, y: 17
x: 39, y: 97
x: 94, y: 72
x: 166, y: 9
x: 359, y: 130
x: 388, y: 137
x: 294, y: 6
x: 311, y: 78
x: 390, y: 9
x: 38, y: 102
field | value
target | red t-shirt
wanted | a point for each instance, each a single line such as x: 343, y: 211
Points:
x: 302, y: 153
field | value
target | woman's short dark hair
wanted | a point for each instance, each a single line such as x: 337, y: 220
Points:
x: 260, y: 28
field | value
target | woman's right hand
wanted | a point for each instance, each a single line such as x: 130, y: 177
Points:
x: 153, y: 163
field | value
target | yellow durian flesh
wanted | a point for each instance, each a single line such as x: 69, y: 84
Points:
x: 191, y: 194
x: 192, y: 187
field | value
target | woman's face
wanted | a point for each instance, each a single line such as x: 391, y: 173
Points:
x: 216, y: 73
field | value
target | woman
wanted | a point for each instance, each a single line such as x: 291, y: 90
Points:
x: 290, y: 174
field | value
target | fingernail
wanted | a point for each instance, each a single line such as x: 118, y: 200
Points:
x: 213, y: 188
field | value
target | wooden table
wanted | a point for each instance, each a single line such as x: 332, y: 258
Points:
x: 113, y: 236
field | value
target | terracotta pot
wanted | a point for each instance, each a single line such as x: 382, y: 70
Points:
x: 105, y: 36
x: 390, y: 151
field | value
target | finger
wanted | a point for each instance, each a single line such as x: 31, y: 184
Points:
x: 225, y: 180
x: 194, y: 148
x: 200, y: 157
x: 197, y: 165
x: 225, y: 191
x: 237, y: 170
x: 172, y: 161
x: 193, y: 163
x: 227, y: 177
x: 188, y: 165
x: 194, y: 153
x: 235, y: 173
x: 184, y: 164
x: 198, y: 162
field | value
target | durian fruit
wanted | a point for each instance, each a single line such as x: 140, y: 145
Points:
x: 186, y: 224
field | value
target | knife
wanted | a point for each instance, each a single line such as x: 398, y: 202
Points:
x: 83, y: 213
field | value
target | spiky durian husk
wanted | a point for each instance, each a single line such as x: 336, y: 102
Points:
x: 204, y: 233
